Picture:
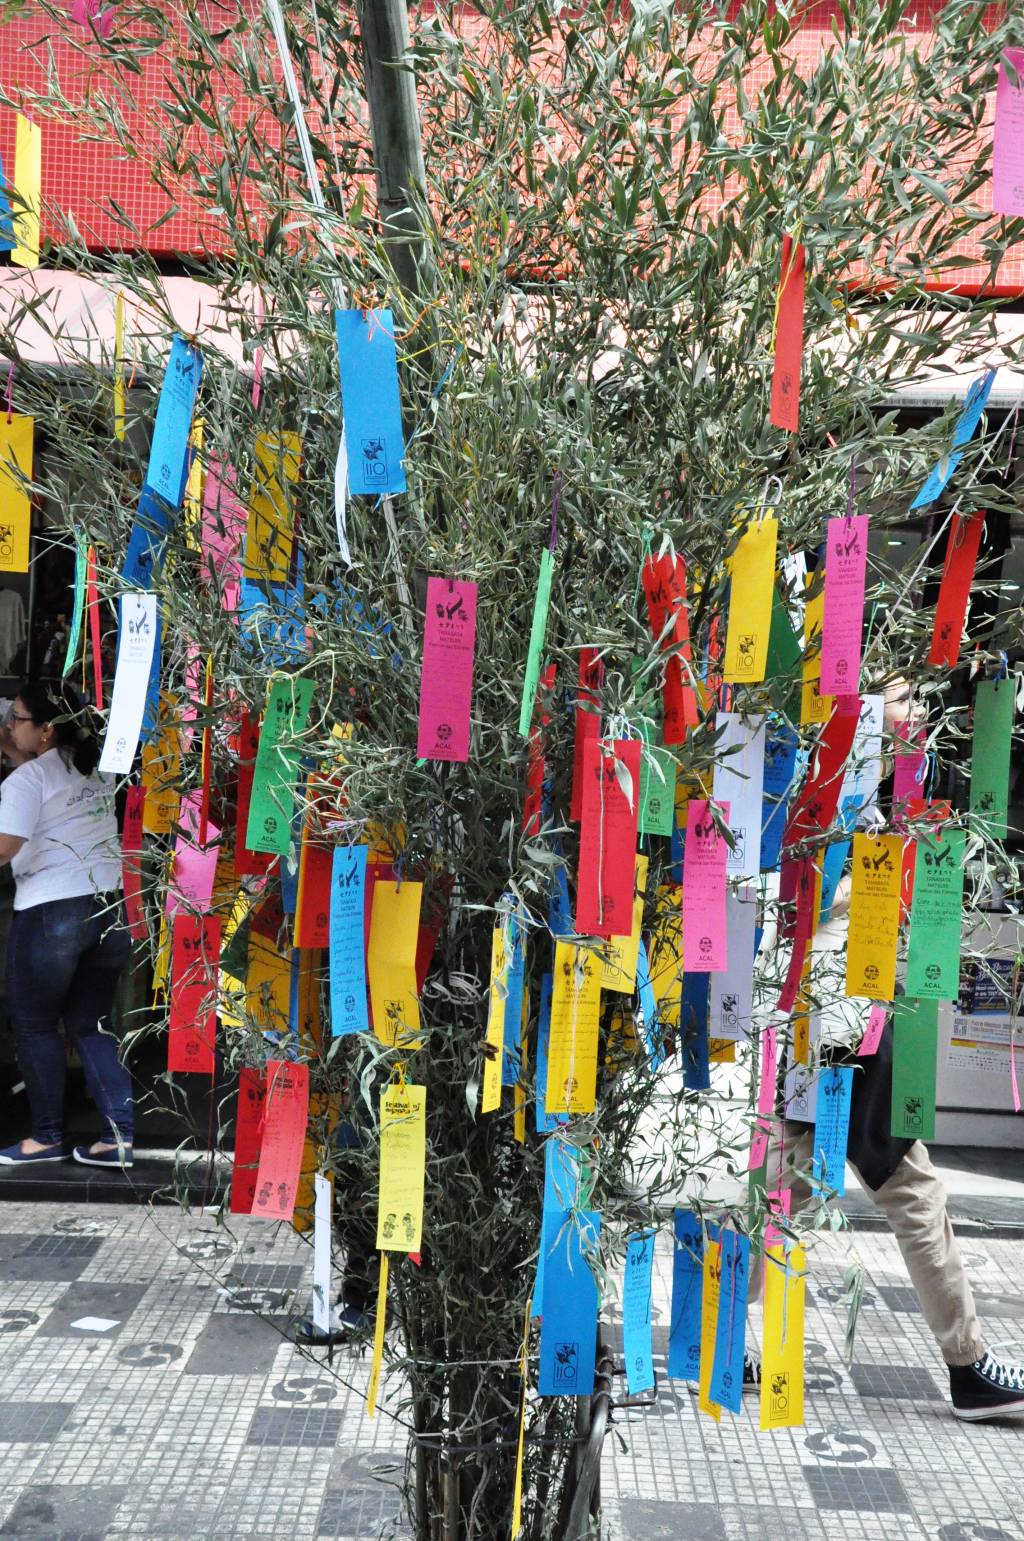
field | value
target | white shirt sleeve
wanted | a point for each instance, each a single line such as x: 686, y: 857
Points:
x: 21, y: 801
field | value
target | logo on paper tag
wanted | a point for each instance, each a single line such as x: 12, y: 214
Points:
x: 566, y: 1363
x: 745, y: 653
x: 913, y: 1112
x: 779, y: 1394
x: 375, y: 459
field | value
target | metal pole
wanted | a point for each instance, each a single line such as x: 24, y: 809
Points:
x: 395, y: 128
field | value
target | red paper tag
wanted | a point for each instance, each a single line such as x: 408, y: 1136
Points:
x: 936, y: 811
x: 92, y: 604
x: 664, y: 580
x: 533, y: 806
x: 588, y: 720
x: 815, y: 806
x: 803, y: 892
x: 954, y: 590
x: 192, y: 1027
x: 608, y: 837
x: 284, y: 1135
x: 131, y: 863
x: 247, y: 863
x: 267, y: 916
x: 207, y: 757
x: 784, y: 411
x: 248, y: 1137
x: 313, y: 909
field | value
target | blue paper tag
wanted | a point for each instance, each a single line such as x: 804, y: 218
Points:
x: 147, y: 543
x: 514, y: 983
x: 347, y: 958
x: 636, y: 1313
x: 836, y: 855
x: 963, y: 433
x: 832, y: 1128
x: 560, y: 921
x: 687, y: 1294
x: 168, y: 453
x: 151, y: 712
x: 693, y: 1032
x: 568, y: 1307
x: 6, y: 215
x: 730, y: 1329
x: 561, y: 1192
x: 545, y: 1121
x: 368, y: 365
x: 780, y: 753
x: 647, y: 1014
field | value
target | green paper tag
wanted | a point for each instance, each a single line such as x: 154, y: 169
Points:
x: 785, y: 658
x: 75, y: 629
x: 277, y: 765
x: 657, y: 796
x: 915, y: 1053
x: 933, y: 956
x: 537, y: 633
x: 990, y: 755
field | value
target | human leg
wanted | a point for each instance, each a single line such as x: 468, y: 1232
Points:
x: 913, y: 1201
x: 41, y: 962
x: 87, y: 1017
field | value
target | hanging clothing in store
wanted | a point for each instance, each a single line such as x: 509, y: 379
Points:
x: 13, y: 627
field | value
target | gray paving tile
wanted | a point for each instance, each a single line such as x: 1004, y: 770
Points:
x: 62, y: 1512
x: 653, y: 1519
x: 32, y: 1423
x: 857, y: 1488
x: 358, y: 1510
x: 46, y: 1258
x: 900, y: 1381
x: 88, y: 1297
x: 306, y: 1427
x: 237, y: 1344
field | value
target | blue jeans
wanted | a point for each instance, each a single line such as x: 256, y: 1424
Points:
x: 64, y: 959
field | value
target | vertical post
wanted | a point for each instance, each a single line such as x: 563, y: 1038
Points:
x: 395, y: 127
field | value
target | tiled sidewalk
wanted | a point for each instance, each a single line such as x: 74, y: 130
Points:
x: 191, y: 1418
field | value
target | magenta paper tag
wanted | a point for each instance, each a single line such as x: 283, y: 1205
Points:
x: 877, y: 1018
x: 909, y: 770
x: 846, y: 554
x: 705, y: 857
x: 446, y: 683
x: 223, y: 529
x: 769, y: 1071
x: 194, y: 867
x: 195, y: 690
x: 759, y: 1144
x: 85, y: 11
x: 1008, y: 144
x: 779, y: 1201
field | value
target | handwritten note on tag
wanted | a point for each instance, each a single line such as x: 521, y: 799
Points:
x: 726, y: 1386
x: 347, y: 949
x: 403, y: 1155
x: 845, y: 572
x: 831, y: 1129
x: 874, y: 917
x: 446, y: 681
x: 1008, y: 143
x: 252, y: 1090
x: 704, y: 880
x: 284, y: 1135
x: 573, y: 1033
x: 636, y: 1313
x: 933, y: 954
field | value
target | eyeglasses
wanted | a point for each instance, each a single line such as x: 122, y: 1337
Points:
x: 17, y: 717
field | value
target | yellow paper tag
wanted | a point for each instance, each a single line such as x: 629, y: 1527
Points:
x: 874, y: 917
x: 721, y: 1051
x: 391, y: 957
x: 711, y: 1288
x: 572, y: 1047
x: 519, y: 1090
x: 324, y: 1111
x: 782, y: 1363
x: 619, y: 968
x: 161, y: 769
x: 268, y: 985
x: 517, y: 1491
x: 16, y: 438
x: 119, y: 361
x: 194, y: 487
x: 268, y: 541
x: 310, y: 1025
x: 667, y: 955
x: 752, y: 571
x: 813, y: 707
x: 162, y: 961
x: 403, y: 1156
x: 27, y: 200
x: 490, y: 1097
x: 378, y: 1338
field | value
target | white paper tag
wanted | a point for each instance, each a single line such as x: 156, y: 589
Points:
x: 341, y: 498
x: 136, y: 640
x: 731, y: 993
x: 739, y: 781
x: 322, y: 1197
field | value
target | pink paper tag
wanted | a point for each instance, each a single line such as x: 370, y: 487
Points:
x: 85, y: 11
x: 223, y: 530
x: 909, y: 770
x: 284, y: 1135
x: 845, y: 566
x: 779, y: 1202
x: 1013, y: 1069
x: 195, y: 690
x: 769, y: 1071
x: 705, y: 857
x: 194, y: 867
x: 759, y: 1144
x: 446, y: 681
x: 877, y: 1018
x: 1008, y: 144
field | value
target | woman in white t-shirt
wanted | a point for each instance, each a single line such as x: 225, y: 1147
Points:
x: 68, y: 943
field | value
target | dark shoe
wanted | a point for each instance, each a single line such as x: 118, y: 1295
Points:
x: 751, y: 1372
x: 114, y: 1158
x: 13, y: 1155
x: 348, y: 1325
x: 987, y: 1389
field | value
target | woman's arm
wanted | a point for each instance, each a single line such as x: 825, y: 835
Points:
x: 10, y: 845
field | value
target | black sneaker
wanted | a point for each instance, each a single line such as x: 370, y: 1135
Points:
x: 987, y: 1389
x: 751, y: 1372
